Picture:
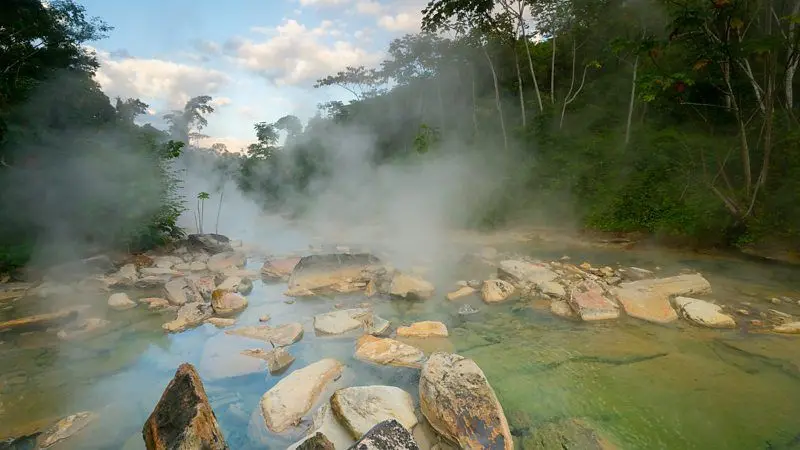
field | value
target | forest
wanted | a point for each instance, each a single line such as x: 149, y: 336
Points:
x: 674, y: 118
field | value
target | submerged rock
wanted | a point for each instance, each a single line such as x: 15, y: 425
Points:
x: 460, y: 404
x: 387, y: 435
x: 589, y: 301
x: 704, y: 313
x: 288, y: 401
x: 388, y: 352
x: 84, y: 328
x: 65, y: 428
x: 278, y: 359
x: 495, y: 291
x: 280, y: 336
x: 423, y: 329
x: 189, y: 315
x: 342, y: 321
x: 464, y: 291
x: 155, y: 303
x: 410, y: 286
x: 42, y: 321
x: 570, y: 434
x: 120, y: 302
x: 467, y: 310
x: 377, y: 326
x: 788, y: 328
x: 362, y: 407
x: 649, y: 299
x: 183, y: 418
x: 562, y: 309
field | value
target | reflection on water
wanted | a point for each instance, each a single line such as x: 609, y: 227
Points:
x: 643, y: 385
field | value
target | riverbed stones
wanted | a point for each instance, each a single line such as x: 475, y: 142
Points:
x: 410, y: 286
x: 463, y: 291
x: 42, y: 321
x: 183, y: 418
x: 83, y: 328
x: 649, y: 299
x: 209, y: 242
x: 325, y: 424
x: 561, y: 308
x: 360, y: 408
x: 590, y: 303
x: 202, y: 285
x: 279, y: 269
x: 388, y: 352
x: 278, y: 359
x: 65, y: 428
x: 496, y: 291
x: 788, y: 328
x: 342, y: 321
x: 221, y: 322
x: 523, y: 273
x: 460, y: 404
x: 189, y: 315
x: 293, y: 396
x: 120, y: 302
x: 155, y: 303
x: 227, y: 303
x: 332, y: 273
x: 387, y: 435
x: 279, y: 336
x: 224, y: 260
x: 703, y: 313
x: 424, y: 329
x: 179, y: 292
x: 126, y: 276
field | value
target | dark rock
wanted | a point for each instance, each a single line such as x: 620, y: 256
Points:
x: 387, y: 435
x: 211, y: 243
x: 29, y: 442
x: 183, y: 417
x: 316, y: 442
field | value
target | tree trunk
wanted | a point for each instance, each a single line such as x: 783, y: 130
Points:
x: 521, y: 88
x: 571, y: 86
x: 474, y: 101
x: 632, y: 101
x: 553, y: 72
x: 498, y: 104
x: 530, y: 64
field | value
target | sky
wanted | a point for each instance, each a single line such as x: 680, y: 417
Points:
x: 258, y: 59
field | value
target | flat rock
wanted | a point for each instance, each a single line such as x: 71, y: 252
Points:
x: 42, y: 321
x: 387, y: 435
x: 561, y: 308
x: 126, y: 276
x: 523, y: 273
x: 410, y: 286
x: 278, y: 359
x: 179, y: 292
x: 589, y: 301
x: 552, y: 289
x: 423, y: 329
x: 227, y: 303
x: 152, y: 282
x: 155, y: 303
x: 182, y: 418
x: 649, y: 299
x: 65, y: 428
x: 385, y: 351
x: 220, y: 322
x: 292, y: 397
x: 159, y: 271
x: 342, y: 321
x: 222, y: 261
x: 460, y: 404
x: 279, y: 269
x: 362, y: 407
x: 332, y: 273
x: 464, y: 291
x: 189, y: 315
x: 120, y: 302
x: 704, y: 313
x: 324, y: 423
x: 495, y: 291
x: 377, y: 326
x: 279, y: 336
x: 788, y: 328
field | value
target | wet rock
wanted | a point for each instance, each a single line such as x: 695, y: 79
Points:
x: 326, y: 425
x: 649, y: 299
x: 789, y: 328
x: 570, y: 434
x: 362, y: 407
x: 198, y: 266
x: 332, y: 273
x: 151, y: 282
x: 279, y: 336
x: 159, y: 271
x: 222, y: 261
x: 13, y: 291
x: 561, y: 308
x: 279, y: 269
x: 179, y: 292
x: 201, y: 285
x: 552, y: 289
x: 316, y: 442
x: 377, y: 326
x: 65, y: 428
x: 83, y: 328
x: 155, y: 303
x: 467, y: 310
x: 385, y: 351
x: 371, y: 289
x: 387, y: 435
x: 423, y: 330
x: 227, y: 303
x: 288, y: 401
x: 278, y: 359
x: 704, y: 313
x: 410, y: 286
x: 42, y: 321
x: 235, y: 284
x: 462, y: 292
x: 460, y: 404
x: 636, y: 274
x: 189, y: 315
x: 523, y: 273
x: 220, y: 322
x: 495, y: 291
x: 183, y: 418
x: 126, y: 276
x: 167, y: 261
x: 589, y: 301
x: 211, y: 243
x: 338, y: 322
x: 120, y: 302
x: 264, y: 318
x: 779, y: 316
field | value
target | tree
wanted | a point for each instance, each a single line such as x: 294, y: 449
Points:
x: 182, y: 123
x: 267, y: 138
x: 359, y: 81
x: 129, y: 109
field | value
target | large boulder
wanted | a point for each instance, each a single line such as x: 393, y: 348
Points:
x: 410, y: 286
x: 704, y: 313
x: 387, y: 435
x: 342, y: 321
x: 388, y: 352
x: 332, y: 273
x: 279, y: 336
x: 292, y: 397
x: 590, y: 302
x: 495, y: 291
x: 649, y: 299
x: 227, y: 303
x: 279, y: 269
x: 460, y: 404
x: 211, y: 243
x: 183, y: 418
x: 360, y: 408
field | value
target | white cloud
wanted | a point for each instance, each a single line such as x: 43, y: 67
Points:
x: 369, y: 7
x: 407, y: 22
x: 220, y: 101
x: 296, y: 55
x: 396, y: 16
x: 323, y: 2
x: 233, y: 144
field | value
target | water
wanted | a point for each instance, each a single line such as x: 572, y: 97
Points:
x: 642, y: 385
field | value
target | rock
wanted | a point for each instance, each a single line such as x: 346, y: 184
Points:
x: 65, y: 428
x: 332, y: 273
x: 388, y: 352
x: 423, y: 330
x: 475, y: 284
x: 183, y: 418
x: 460, y: 404
x: 159, y: 271
x: 189, y: 315
x: 342, y: 321
x: 220, y: 322
x: 371, y: 289
x: 279, y: 269
x: 789, y: 328
x: 376, y: 326
x: 222, y: 261
x: 85, y: 327
x: 589, y: 301
x: 562, y: 309
x: 120, y: 302
x: 704, y: 313
x: 462, y: 292
x: 552, y: 289
x: 467, y: 310
x: 523, y: 273
x: 211, y: 243
x: 279, y: 336
x: 410, y: 286
x: 152, y: 282
x: 230, y: 284
x: 198, y: 266
x: 155, y: 303
x: 167, y: 262
x: 636, y: 274
x: 179, y: 292
x: 387, y: 435
x: 278, y: 359
x: 570, y: 434
x: 318, y: 441
x: 649, y: 299
x: 292, y: 397
x: 495, y: 291
x: 227, y: 303
x: 42, y: 321
x: 362, y: 407
x: 125, y: 277
x: 779, y: 316
x: 264, y: 318
x: 325, y: 424
x: 201, y: 285
x: 13, y: 291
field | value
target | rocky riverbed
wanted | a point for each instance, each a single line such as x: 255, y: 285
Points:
x: 499, y: 349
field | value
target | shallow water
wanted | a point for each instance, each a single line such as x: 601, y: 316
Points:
x: 643, y: 386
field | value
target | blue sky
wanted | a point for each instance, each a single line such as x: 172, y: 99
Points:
x: 257, y: 58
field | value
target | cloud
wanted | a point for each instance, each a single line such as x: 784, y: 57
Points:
x: 398, y: 16
x: 293, y: 54
x: 370, y: 7
x: 323, y: 2
x: 407, y: 22
x: 156, y: 79
x: 221, y: 101
x: 233, y: 144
